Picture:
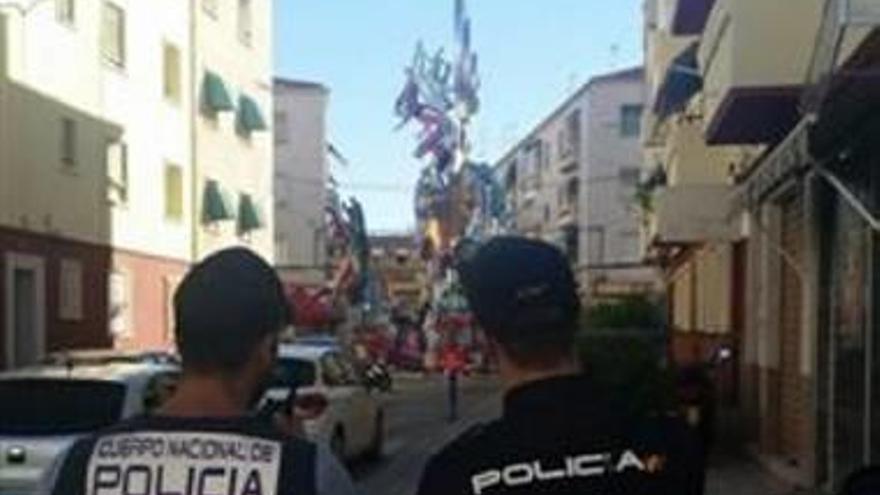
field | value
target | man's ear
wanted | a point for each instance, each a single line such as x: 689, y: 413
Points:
x: 267, y: 351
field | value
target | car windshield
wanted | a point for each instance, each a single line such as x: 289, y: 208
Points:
x: 317, y: 341
x: 30, y: 406
x: 294, y: 372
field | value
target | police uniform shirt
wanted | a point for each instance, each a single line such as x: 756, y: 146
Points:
x: 559, y: 436
x: 204, y: 456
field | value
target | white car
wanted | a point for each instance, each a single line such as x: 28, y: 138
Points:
x: 46, y: 408
x: 352, y: 417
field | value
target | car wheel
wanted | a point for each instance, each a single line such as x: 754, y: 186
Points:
x: 377, y: 446
x: 337, y: 444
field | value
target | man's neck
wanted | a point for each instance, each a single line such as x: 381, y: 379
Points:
x: 514, y: 377
x: 201, y: 397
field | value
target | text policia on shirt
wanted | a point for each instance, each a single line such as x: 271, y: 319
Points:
x: 571, y: 467
x: 183, y: 464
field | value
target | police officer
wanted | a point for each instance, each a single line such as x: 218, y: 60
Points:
x: 229, y: 312
x: 559, y: 434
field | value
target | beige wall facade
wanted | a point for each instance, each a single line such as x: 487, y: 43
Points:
x: 241, y: 164
x: 301, y: 174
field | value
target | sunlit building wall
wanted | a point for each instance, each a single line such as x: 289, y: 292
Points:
x: 96, y: 160
x: 301, y: 180
x: 233, y: 152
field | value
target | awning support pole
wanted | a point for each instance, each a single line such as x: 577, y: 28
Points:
x: 849, y: 196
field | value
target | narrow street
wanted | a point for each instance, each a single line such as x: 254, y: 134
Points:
x: 417, y: 427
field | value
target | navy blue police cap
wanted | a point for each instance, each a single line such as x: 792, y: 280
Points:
x: 515, y: 284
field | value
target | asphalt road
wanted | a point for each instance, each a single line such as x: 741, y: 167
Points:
x: 417, y: 427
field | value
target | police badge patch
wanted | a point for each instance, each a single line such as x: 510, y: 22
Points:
x: 165, y: 463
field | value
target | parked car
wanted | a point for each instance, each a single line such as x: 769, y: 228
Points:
x: 97, y: 357
x: 350, y: 417
x: 46, y: 408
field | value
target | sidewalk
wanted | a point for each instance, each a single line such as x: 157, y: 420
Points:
x: 731, y: 474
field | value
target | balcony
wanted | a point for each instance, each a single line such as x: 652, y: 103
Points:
x: 688, y: 160
x: 750, y: 96
x: 662, y: 46
x: 691, y: 214
x: 569, y: 166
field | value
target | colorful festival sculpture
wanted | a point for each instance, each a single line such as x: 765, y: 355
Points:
x: 456, y: 199
x: 355, y: 279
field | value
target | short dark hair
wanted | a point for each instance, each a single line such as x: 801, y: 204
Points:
x: 524, y: 295
x: 225, y: 306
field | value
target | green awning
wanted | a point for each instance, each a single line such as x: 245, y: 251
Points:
x: 248, y: 216
x: 215, y: 96
x: 215, y: 204
x: 250, y: 118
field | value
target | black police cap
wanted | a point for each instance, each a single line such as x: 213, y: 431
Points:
x: 515, y: 284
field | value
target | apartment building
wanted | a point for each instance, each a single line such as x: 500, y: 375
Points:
x: 98, y: 183
x: 301, y: 175
x: 572, y: 181
x: 785, y: 111
x: 233, y: 149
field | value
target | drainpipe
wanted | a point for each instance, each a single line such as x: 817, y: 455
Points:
x: 193, y: 123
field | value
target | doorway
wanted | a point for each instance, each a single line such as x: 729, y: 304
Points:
x: 26, y: 303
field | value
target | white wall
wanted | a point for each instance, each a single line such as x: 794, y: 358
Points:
x: 300, y: 177
x: 608, y: 203
x: 57, y: 71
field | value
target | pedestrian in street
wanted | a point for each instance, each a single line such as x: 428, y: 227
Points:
x: 453, y: 361
x: 559, y: 434
x: 229, y: 312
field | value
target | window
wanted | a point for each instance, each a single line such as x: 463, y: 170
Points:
x: 65, y: 11
x: 294, y: 372
x: 173, y: 192
x: 119, y: 304
x: 117, y: 172
x: 70, y: 294
x: 245, y: 22
x: 547, y: 153
x: 281, y: 128
x: 630, y: 120
x: 215, y: 95
x: 68, y: 141
x: 113, y: 34
x: 210, y: 7
x: 546, y: 213
x: 572, y: 191
x: 249, y: 117
x: 216, y: 204
x: 171, y: 86
x: 596, y: 245
x: 573, y: 125
x: 561, y: 143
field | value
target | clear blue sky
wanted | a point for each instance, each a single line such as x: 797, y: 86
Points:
x: 533, y: 53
